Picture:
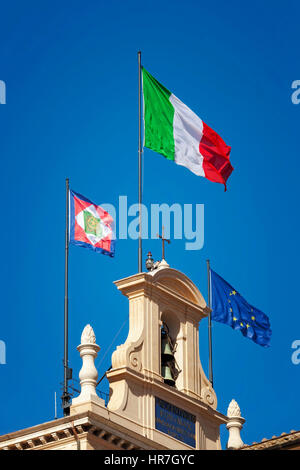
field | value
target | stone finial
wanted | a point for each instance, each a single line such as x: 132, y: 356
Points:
x: 88, y: 335
x: 163, y: 264
x: 233, y: 410
x: 234, y: 426
x: 88, y: 374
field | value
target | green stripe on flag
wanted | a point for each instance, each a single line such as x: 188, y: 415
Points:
x: 158, y: 117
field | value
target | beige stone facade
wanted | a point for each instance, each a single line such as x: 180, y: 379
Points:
x: 84, y: 431
x: 163, y: 295
x: 143, y: 411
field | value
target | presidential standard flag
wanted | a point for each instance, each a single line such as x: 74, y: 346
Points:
x: 90, y: 226
x: 229, y: 307
x: 175, y: 131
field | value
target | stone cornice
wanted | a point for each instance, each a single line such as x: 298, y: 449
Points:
x: 151, y: 285
x: 68, y: 430
x: 170, y: 394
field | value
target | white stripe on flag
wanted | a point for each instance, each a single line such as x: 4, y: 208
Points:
x: 188, y: 132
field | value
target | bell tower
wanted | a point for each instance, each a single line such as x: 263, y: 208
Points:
x: 157, y: 384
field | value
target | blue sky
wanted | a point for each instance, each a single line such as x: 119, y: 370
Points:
x: 71, y: 78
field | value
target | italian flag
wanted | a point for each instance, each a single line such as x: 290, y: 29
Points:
x: 175, y: 131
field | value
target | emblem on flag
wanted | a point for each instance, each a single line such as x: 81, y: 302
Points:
x: 90, y: 226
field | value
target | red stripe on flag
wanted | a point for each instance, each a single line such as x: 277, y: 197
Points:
x: 80, y: 205
x: 80, y: 234
x: 215, y: 152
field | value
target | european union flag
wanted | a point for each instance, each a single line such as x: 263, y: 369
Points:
x: 229, y: 307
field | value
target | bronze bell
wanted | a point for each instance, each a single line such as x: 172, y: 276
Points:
x: 166, y: 351
x: 167, y: 375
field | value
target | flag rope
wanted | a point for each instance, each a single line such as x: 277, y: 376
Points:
x: 114, y: 339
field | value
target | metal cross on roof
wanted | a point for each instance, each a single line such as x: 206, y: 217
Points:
x: 163, y: 240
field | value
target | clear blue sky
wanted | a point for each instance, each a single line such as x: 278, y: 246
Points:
x: 71, y: 75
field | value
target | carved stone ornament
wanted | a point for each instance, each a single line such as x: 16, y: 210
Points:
x: 88, y: 335
x: 209, y: 397
x: 234, y: 426
x: 88, y: 374
x: 233, y: 410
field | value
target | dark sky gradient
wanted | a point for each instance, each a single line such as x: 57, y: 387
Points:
x: 71, y: 74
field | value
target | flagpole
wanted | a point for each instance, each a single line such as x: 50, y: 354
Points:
x: 66, y: 396
x: 209, y: 324
x: 140, y: 268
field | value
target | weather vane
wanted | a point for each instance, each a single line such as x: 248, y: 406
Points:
x: 163, y: 240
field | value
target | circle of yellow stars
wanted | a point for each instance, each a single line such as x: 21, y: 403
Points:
x: 234, y: 292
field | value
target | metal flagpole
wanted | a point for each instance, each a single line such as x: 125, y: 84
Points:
x: 209, y: 325
x: 140, y: 268
x: 55, y: 406
x: 66, y: 396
